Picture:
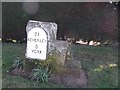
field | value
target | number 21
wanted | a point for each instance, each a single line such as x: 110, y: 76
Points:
x: 36, y: 33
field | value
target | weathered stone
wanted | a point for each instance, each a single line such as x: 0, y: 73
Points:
x: 61, y: 47
x: 72, y: 75
x: 56, y: 49
x: 67, y: 72
x: 49, y: 27
x: 51, y: 30
x: 36, y: 44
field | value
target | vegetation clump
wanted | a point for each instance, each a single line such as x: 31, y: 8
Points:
x: 43, y: 69
x: 41, y: 74
x: 53, y: 63
x: 17, y: 63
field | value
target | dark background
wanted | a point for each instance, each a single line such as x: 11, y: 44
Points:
x: 87, y: 20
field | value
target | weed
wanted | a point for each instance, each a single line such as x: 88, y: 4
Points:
x: 40, y: 74
x: 17, y: 63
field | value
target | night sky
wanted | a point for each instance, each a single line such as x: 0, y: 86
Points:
x: 89, y: 20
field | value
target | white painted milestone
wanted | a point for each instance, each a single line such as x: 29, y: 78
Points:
x: 36, y: 44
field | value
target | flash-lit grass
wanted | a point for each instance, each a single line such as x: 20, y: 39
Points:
x: 9, y: 53
x: 100, y: 64
x: 18, y: 82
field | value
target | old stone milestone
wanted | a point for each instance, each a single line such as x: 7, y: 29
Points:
x: 36, y: 44
x: 42, y: 45
x: 40, y: 37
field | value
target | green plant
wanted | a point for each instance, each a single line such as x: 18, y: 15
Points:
x: 17, y: 63
x: 10, y: 51
x: 53, y: 62
x: 41, y: 74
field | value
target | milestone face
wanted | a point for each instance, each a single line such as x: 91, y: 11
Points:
x: 36, y: 44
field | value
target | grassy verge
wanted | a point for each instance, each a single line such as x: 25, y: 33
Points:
x: 9, y: 53
x: 18, y: 82
x: 100, y: 63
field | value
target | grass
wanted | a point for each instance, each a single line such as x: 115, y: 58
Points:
x: 100, y: 63
x: 9, y: 53
x: 18, y: 82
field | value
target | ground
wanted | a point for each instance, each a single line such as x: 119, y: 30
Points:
x: 100, y: 64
